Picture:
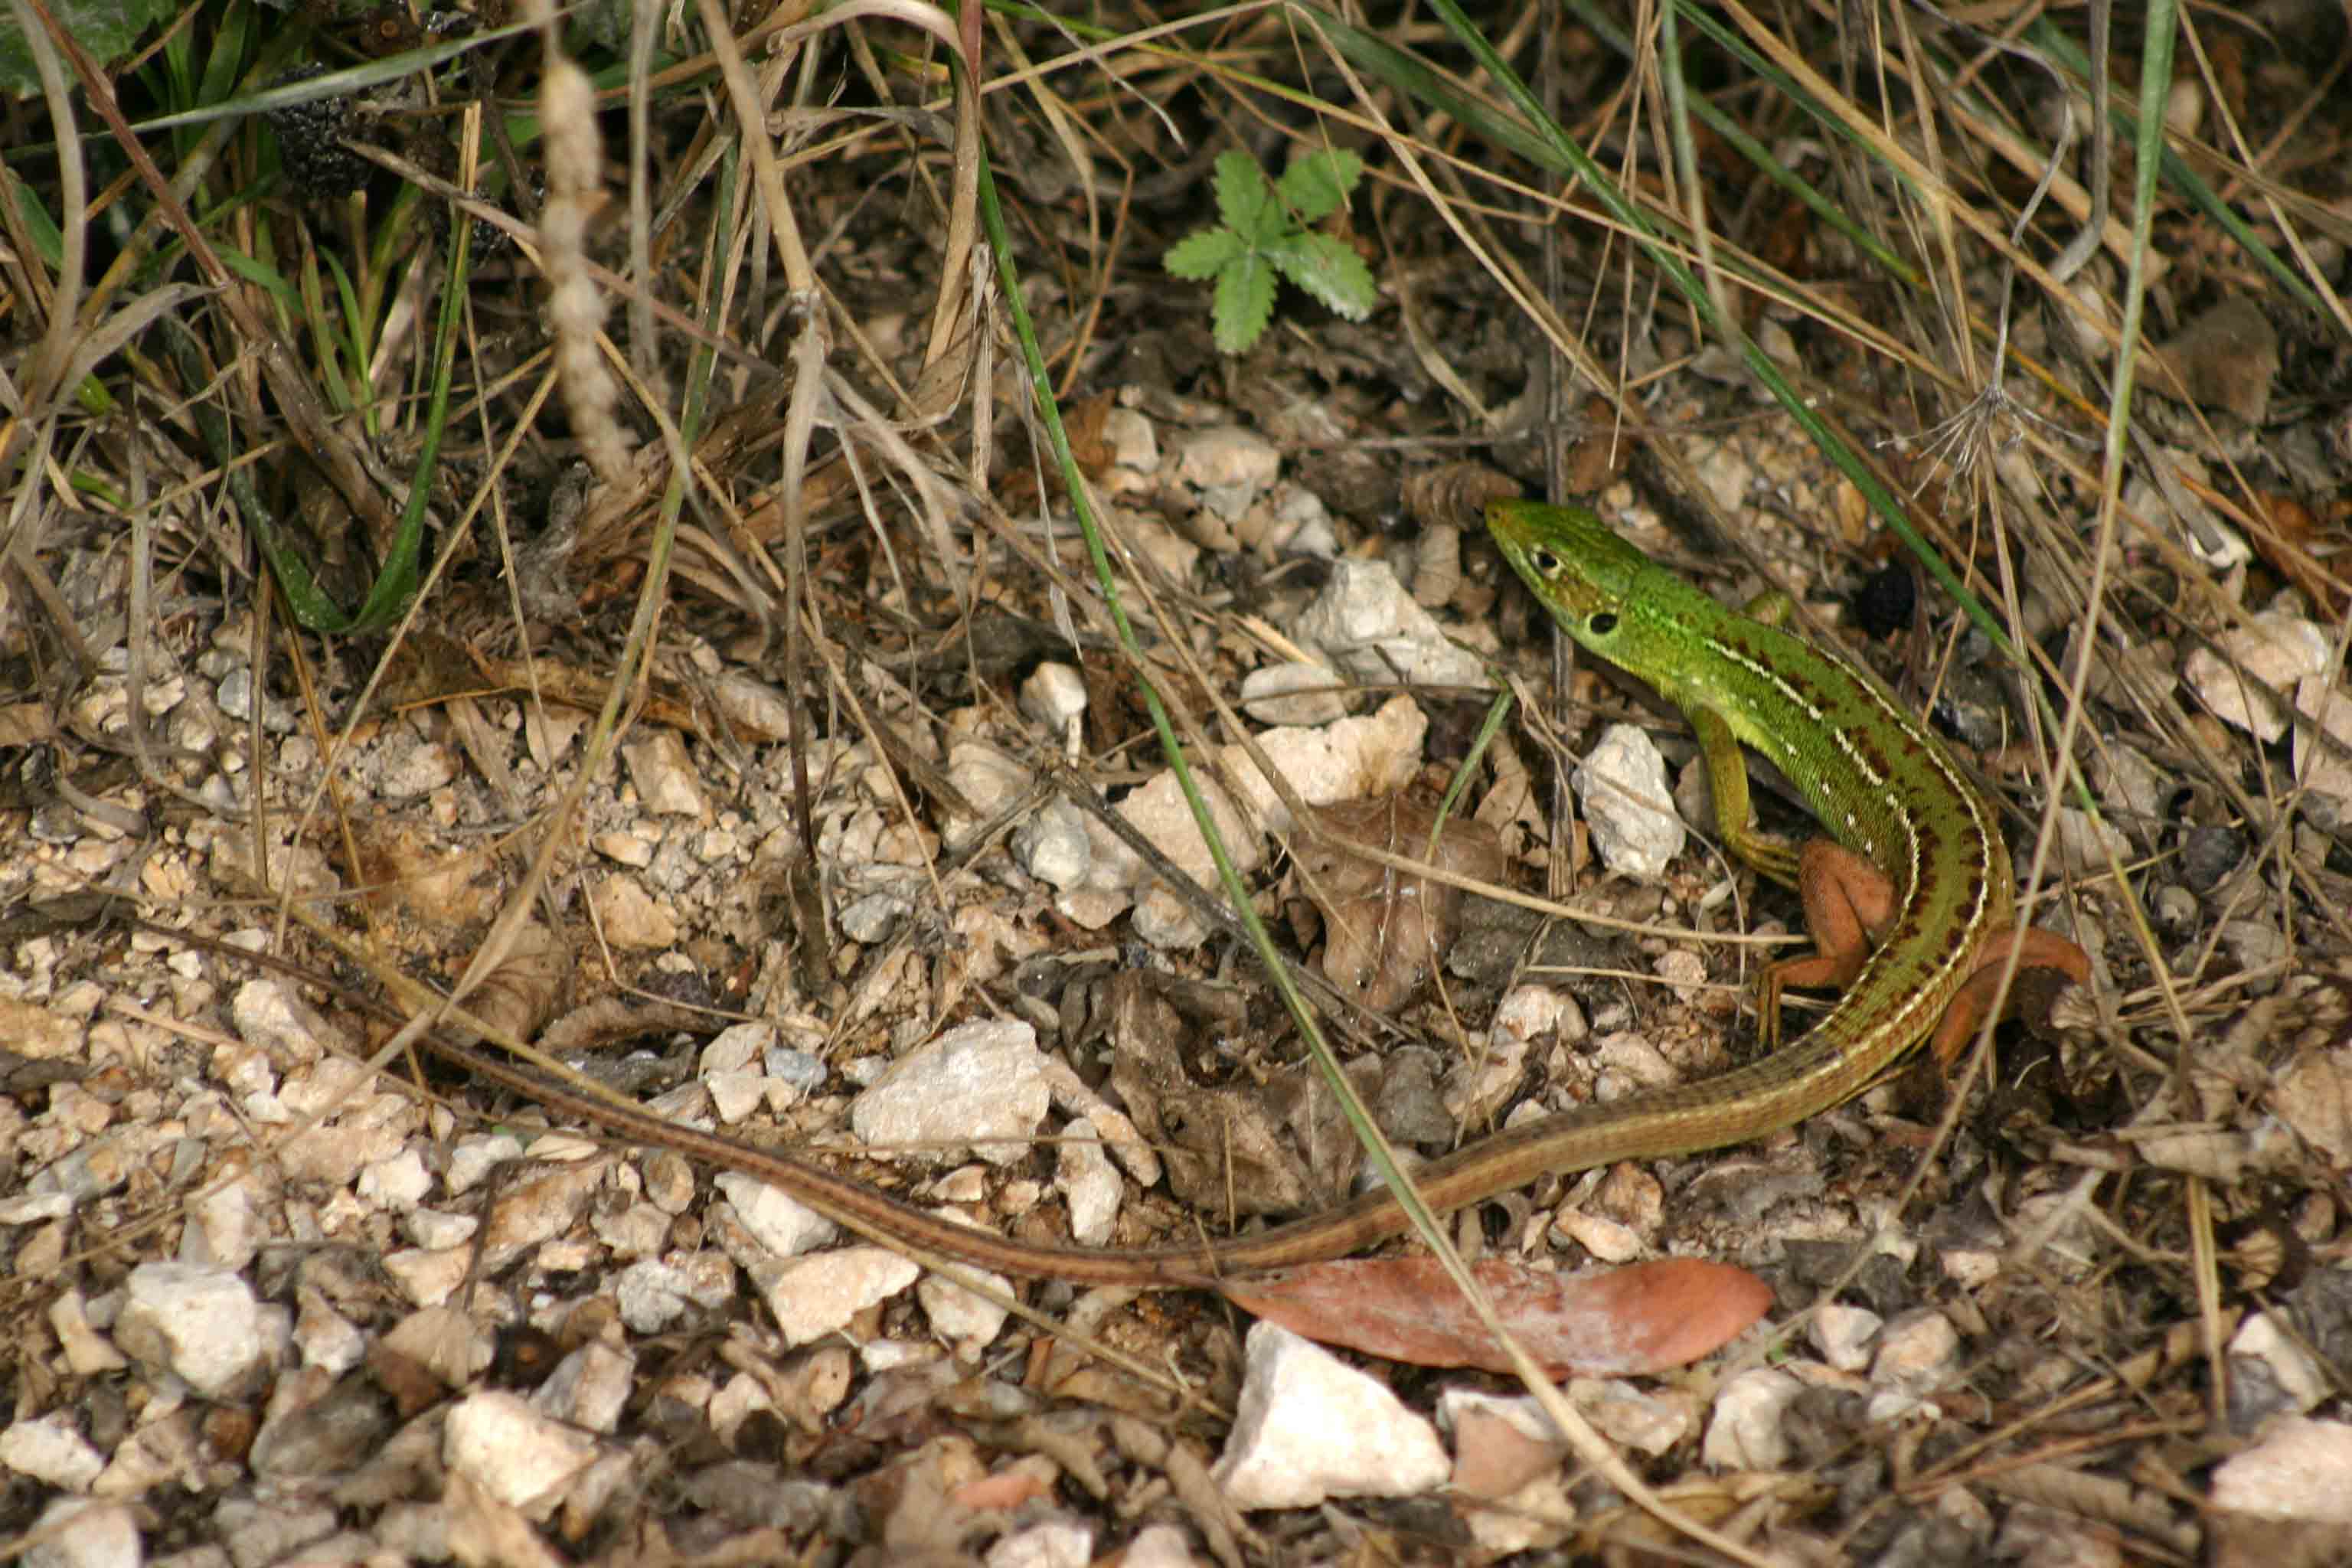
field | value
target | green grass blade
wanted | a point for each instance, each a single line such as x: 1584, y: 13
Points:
x: 266, y: 275
x: 396, y: 584
x: 1663, y: 256
x: 2177, y: 172
x: 1824, y: 208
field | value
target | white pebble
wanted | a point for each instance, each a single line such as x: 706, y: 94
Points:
x: 1629, y: 804
x: 1309, y: 1426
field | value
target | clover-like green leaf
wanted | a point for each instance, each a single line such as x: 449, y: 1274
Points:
x: 1264, y: 236
x: 1314, y: 187
x: 1244, y: 198
x: 1329, y: 269
x: 1245, y: 303
x: 1202, y: 254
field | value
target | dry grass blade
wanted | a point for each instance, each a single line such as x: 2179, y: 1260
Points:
x: 813, y: 554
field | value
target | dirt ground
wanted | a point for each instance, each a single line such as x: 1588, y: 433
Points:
x: 369, y: 640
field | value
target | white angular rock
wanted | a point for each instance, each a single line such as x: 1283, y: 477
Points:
x: 324, y: 1337
x: 418, y: 769
x: 989, y: 781
x: 474, y: 1158
x: 1629, y: 1416
x: 2291, y: 1366
x: 777, y: 1221
x: 630, y: 916
x: 199, y: 1322
x: 1533, y: 1011
x: 1301, y: 524
x: 1345, y: 759
x: 397, y: 1184
x: 959, y: 1316
x: 88, y: 1353
x: 1342, y: 760
x: 1296, y: 693
x: 1629, y: 804
x: 664, y: 775
x: 640, y: 1230
x: 1055, y: 1543
x: 1110, y: 1124
x: 634, y: 849
x: 76, y: 1533
x: 1367, y: 623
x: 2084, y: 843
x: 1844, y: 1335
x: 34, y: 1209
x: 417, y: 1531
x: 735, y: 1095
x: 738, y: 1048
x: 1307, y: 1427
x: 1090, y: 1186
x: 652, y: 1294
x: 161, y: 1451
x: 1745, y: 1432
x: 436, y: 1230
x: 1053, y: 695
x: 1229, y: 465
x: 516, y: 1454
x: 427, y: 1279
x: 751, y: 705
x: 1052, y: 845
x: 1160, y: 811
x: 815, y: 1296
x: 1919, y: 1351
x: 589, y: 1387
x: 51, y: 1450
x: 260, y: 1533
x: 1159, y: 1546
x: 268, y: 1015
x: 873, y: 918
x: 2295, y: 1469
x: 1605, y: 1238
x: 1133, y: 439
x: 2275, y: 649
x: 981, y: 1085
x: 225, y: 1227
x: 2317, y: 766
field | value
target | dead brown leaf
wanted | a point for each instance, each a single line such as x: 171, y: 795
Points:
x: 1623, y: 1322
x: 1386, y: 929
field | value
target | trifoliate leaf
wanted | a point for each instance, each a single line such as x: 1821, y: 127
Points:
x: 1245, y: 303
x: 1244, y: 198
x: 1203, y: 253
x: 1328, y: 269
x: 1314, y: 186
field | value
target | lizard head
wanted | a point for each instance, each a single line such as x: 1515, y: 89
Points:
x: 1602, y: 591
x: 1576, y: 565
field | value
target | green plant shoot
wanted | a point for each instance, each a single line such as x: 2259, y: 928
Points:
x: 1265, y: 231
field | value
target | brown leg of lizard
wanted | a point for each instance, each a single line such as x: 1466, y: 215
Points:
x: 1849, y: 905
x: 2042, y: 950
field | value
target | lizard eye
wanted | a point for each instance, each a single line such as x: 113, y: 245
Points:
x: 1543, y: 561
x: 1603, y: 623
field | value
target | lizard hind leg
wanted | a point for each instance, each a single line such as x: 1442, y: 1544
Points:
x: 1849, y: 904
x: 2039, y: 949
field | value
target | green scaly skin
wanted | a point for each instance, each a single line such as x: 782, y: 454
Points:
x: 1878, y: 782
